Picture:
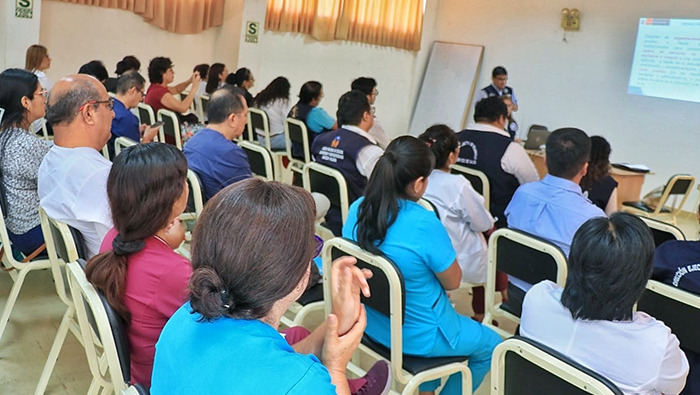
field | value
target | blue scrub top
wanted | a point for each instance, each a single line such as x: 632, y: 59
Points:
x: 229, y: 356
x: 318, y: 120
x: 419, y: 245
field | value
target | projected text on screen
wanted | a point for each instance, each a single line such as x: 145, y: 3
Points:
x: 667, y: 59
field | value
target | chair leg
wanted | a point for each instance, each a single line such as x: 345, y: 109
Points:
x: 94, y: 387
x: 55, y: 351
x: 16, y: 287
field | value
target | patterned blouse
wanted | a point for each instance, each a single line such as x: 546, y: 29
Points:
x: 21, y: 154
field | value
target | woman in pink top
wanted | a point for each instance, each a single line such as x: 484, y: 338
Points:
x: 144, y: 280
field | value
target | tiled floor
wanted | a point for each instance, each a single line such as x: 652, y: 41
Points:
x: 33, y: 325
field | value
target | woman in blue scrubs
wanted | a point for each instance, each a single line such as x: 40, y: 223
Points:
x: 388, y: 221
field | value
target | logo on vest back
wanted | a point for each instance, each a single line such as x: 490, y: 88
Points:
x: 336, y: 142
x: 468, y: 161
x: 332, y: 154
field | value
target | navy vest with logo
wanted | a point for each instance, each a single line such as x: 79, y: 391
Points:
x: 491, y: 91
x: 483, y: 151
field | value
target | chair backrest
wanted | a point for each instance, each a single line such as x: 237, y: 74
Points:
x: 121, y: 143
x: 146, y: 114
x: 97, y: 319
x: 523, y: 366
x: 678, y: 185
x: 428, y: 205
x: 195, y: 200
x: 329, y: 182
x: 260, y: 159
x: 2, y: 113
x: 662, y: 231
x: 295, y: 132
x: 171, y: 126
x: 202, y: 101
x: 478, y: 179
x: 387, y: 285
x: 258, y: 123
x: 678, y: 309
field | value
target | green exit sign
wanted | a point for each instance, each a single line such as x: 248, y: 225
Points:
x: 252, y: 30
x: 24, y: 9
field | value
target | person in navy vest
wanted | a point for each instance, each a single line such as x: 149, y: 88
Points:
x: 499, y: 78
x: 350, y: 150
x: 487, y: 147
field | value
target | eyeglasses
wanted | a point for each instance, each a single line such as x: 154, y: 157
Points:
x: 375, y: 93
x: 319, y: 246
x: 44, y: 93
x: 143, y: 94
x: 109, y: 102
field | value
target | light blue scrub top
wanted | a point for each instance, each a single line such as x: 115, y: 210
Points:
x: 229, y: 356
x: 420, y: 246
x: 318, y: 120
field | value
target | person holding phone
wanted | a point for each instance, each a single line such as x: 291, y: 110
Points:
x: 130, y: 92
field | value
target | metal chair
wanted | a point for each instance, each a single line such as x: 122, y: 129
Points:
x: 331, y: 183
x: 260, y: 160
x: 259, y: 124
x: 522, y: 366
x: 195, y: 200
x: 297, y: 135
x: 478, y: 179
x: 388, y: 294
x: 171, y: 127
x: 663, y: 231
x: 121, y: 143
x: 202, y: 101
x: 679, y: 185
x: 145, y: 114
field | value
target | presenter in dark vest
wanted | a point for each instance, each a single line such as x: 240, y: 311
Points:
x: 498, y: 87
x: 350, y: 150
x: 487, y: 147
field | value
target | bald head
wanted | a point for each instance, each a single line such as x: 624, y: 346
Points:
x: 69, y: 94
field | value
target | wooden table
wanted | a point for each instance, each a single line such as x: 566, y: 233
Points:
x: 630, y: 183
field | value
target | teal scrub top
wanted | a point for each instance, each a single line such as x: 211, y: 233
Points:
x: 319, y: 121
x: 419, y: 245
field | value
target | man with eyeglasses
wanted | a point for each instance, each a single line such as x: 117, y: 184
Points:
x: 130, y: 92
x: 368, y: 86
x: 73, y: 175
x: 498, y: 87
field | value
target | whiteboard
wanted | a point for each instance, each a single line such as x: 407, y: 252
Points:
x: 448, y: 86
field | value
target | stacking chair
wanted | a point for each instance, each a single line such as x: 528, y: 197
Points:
x: 63, y: 244
x: 2, y: 113
x: 522, y: 366
x: 146, y: 114
x: 295, y: 132
x: 428, y: 205
x: 679, y: 185
x: 478, y: 179
x: 121, y: 143
x: 105, y: 152
x: 329, y: 182
x: 171, y: 127
x: 678, y: 309
x: 195, y: 200
x: 259, y: 123
x: 260, y: 160
x: 663, y: 231
x: 109, y: 359
x: 526, y: 257
x: 202, y: 101
x: 388, y: 298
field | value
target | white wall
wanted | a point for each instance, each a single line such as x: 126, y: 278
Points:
x: 16, y: 34
x: 335, y: 64
x: 582, y: 82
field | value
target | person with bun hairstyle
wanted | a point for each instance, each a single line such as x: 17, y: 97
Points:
x: 388, y: 221
x: 144, y: 280
x: 224, y: 340
x: 129, y: 63
x: 243, y: 79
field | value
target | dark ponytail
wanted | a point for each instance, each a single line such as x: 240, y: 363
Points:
x: 127, y: 64
x: 442, y: 140
x: 145, y: 182
x: 404, y: 161
x: 213, y: 80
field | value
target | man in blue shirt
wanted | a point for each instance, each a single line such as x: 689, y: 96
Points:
x: 125, y: 124
x: 210, y: 153
x: 555, y: 207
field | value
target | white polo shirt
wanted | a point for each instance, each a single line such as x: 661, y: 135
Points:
x: 73, y: 189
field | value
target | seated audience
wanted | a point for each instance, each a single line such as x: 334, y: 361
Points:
x: 368, y: 86
x: 38, y: 61
x: 555, y: 207
x: 216, y: 78
x: 511, y: 124
x: 129, y: 63
x: 144, y: 280
x: 461, y: 211
x: 210, y: 153
x: 389, y: 222
x: 243, y: 79
x: 593, y: 320
x: 274, y: 100
x: 315, y: 118
x: 125, y: 124
x: 487, y: 147
x: 226, y: 335
x: 350, y: 150
x: 24, y: 101
x: 203, y: 71
x: 598, y: 185
x: 676, y: 264
x: 160, y: 95
x: 73, y: 175
x: 96, y: 69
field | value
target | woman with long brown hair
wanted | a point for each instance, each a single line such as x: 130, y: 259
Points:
x: 144, y: 280
x: 598, y: 184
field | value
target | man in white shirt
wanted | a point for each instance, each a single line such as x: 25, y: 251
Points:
x: 72, y: 181
x: 593, y: 321
x: 487, y: 147
x: 368, y: 86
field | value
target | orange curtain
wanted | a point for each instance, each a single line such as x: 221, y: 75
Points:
x: 394, y: 23
x: 177, y: 16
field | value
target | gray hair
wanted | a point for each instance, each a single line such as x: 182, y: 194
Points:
x: 128, y: 80
x: 224, y: 102
x: 64, y: 106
